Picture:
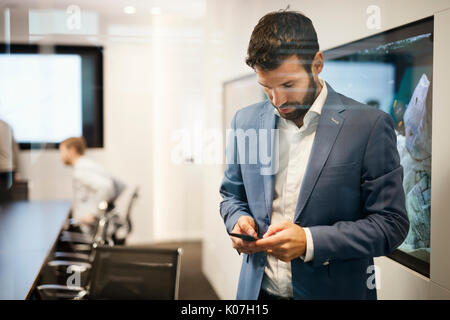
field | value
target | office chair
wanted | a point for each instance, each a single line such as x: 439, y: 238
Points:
x: 123, y: 272
x: 56, y: 270
x: 74, y: 233
x: 121, y: 229
x: 81, y: 243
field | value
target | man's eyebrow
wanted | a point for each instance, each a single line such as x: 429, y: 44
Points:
x: 288, y: 82
x: 283, y: 84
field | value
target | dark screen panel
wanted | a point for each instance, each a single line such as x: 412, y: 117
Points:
x: 91, y: 87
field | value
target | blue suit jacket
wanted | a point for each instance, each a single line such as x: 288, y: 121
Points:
x: 351, y: 199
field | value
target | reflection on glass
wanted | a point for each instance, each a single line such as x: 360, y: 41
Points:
x: 393, y: 71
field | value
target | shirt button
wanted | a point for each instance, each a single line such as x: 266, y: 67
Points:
x: 327, y: 262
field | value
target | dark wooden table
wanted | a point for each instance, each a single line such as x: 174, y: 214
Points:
x: 28, y: 232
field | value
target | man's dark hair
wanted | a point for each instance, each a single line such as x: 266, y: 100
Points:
x: 281, y: 34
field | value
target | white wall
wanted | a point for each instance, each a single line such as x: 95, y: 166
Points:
x: 229, y: 26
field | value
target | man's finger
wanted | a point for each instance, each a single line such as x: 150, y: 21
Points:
x: 270, y: 242
x: 237, y: 243
x: 242, y: 245
x: 248, y: 229
x: 274, y: 228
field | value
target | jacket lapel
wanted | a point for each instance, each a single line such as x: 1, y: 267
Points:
x: 330, y: 123
x: 269, y: 121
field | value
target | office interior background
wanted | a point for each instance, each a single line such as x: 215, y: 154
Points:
x: 164, y: 68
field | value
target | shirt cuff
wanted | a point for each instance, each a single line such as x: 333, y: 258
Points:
x: 309, y: 254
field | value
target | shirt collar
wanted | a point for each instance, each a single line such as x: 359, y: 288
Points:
x: 320, y: 100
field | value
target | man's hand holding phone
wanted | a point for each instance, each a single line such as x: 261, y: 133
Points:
x: 284, y: 240
x: 244, y: 226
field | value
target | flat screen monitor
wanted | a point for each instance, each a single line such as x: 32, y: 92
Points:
x: 393, y: 71
x: 50, y: 93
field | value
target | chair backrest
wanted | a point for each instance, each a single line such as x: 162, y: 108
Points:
x: 133, y: 199
x: 124, y: 272
x: 103, y: 217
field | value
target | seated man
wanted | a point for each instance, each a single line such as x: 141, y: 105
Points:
x: 91, y: 182
x: 9, y: 160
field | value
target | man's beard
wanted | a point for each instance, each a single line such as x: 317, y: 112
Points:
x: 301, y: 107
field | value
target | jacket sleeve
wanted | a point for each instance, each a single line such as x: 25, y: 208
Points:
x: 234, y: 203
x: 385, y: 224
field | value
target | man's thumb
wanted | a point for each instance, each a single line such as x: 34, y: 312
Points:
x: 248, y: 227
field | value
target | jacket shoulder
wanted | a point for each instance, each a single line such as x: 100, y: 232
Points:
x: 248, y: 114
x: 360, y: 111
x: 253, y: 109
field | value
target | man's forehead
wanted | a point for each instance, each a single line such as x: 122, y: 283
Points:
x: 278, y: 77
x: 290, y: 68
x: 282, y: 74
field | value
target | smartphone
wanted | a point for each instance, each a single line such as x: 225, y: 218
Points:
x: 245, y: 237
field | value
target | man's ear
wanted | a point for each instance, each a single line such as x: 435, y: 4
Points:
x: 317, y: 64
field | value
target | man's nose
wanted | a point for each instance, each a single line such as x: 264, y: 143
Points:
x: 278, y: 98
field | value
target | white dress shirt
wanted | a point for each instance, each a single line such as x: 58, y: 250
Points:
x: 92, y: 184
x: 9, y: 151
x: 295, y: 146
